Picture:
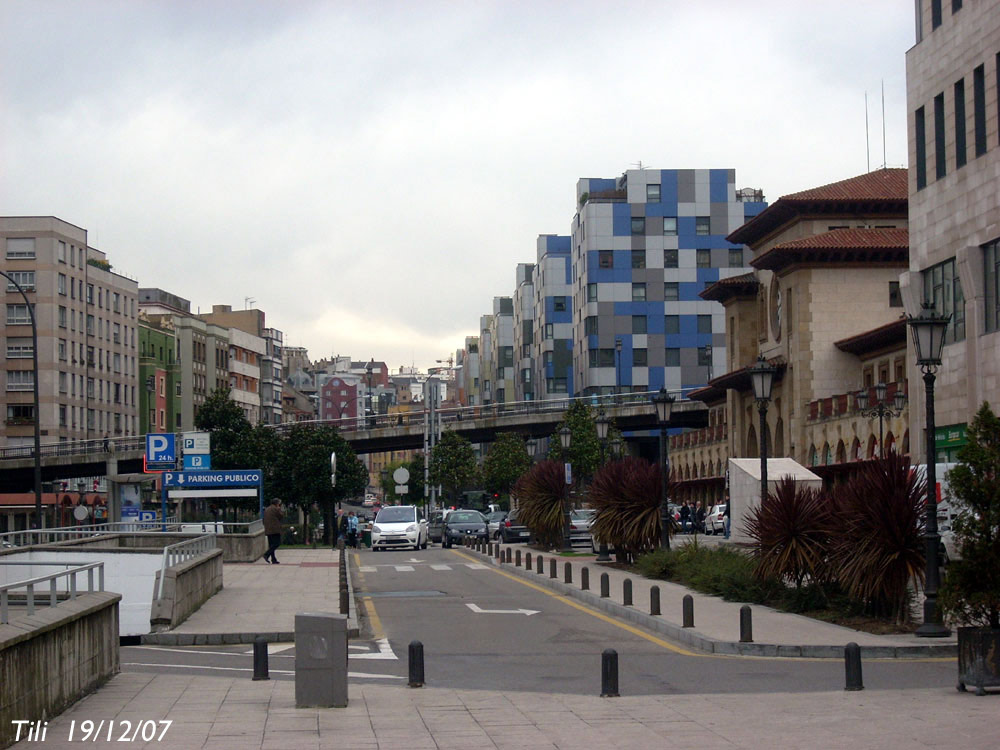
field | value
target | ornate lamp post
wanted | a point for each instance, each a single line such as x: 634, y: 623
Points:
x: 369, y: 368
x: 618, y: 366
x: 565, y: 436
x: 882, y: 408
x: 928, y: 337
x: 664, y: 402
x: 34, y: 390
x: 603, y: 424
x: 762, y: 379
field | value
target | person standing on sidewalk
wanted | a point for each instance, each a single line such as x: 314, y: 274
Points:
x: 272, y: 529
x: 352, y: 530
x: 725, y: 516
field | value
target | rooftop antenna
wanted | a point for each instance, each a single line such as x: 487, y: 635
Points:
x: 868, y: 151
x: 638, y: 164
x: 247, y: 302
x: 884, y: 161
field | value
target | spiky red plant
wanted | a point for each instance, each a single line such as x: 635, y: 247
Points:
x: 626, y: 496
x: 541, y: 493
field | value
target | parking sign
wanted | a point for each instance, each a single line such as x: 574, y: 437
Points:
x: 161, y: 448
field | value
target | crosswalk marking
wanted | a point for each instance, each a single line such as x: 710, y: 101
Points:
x: 404, y: 568
x: 440, y: 567
x: 411, y: 568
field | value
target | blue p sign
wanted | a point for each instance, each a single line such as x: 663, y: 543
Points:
x: 160, y: 447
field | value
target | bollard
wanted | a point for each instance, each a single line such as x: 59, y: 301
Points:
x: 567, y: 573
x: 508, y: 556
x: 320, y: 660
x: 517, y: 557
x: 539, y: 562
x: 687, y: 610
x: 746, y: 624
x: 654, y: 600
x: 260, y: 658
x: 852, y: 667
x: 609, y: 673
x: 627, y: 592
x: 527, y: 560
x: 416, y: 664
x: 553, y: 569
x: 605, y: 586
x: 585, y: 578
x: 345, y: 602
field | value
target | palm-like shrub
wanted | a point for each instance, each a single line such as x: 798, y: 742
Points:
x: 877, y: 548
x: 626, y: 496
x: 541, y: 493
x: 790, y: 533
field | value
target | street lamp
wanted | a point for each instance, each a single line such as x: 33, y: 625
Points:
x: 618, y: 365
x: 664, y: 402
x: 882, y: 408
x: 369, y: 368
x: 565, y: 437
x: 603, y: 424
x: 929, y: 330
x: 34, y: 390
x: 762, y: 378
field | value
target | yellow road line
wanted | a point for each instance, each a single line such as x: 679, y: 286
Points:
x: 373, y: 617
x: 666, y: 644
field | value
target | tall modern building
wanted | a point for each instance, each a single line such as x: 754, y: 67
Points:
x: 86, y: 323
x: 502, y: 350
x: 953, y: 103
x: 470, y: 391
x: 553, y: 329
x: 486, y: 358
x: 525, y: 383
x: 644, y: 246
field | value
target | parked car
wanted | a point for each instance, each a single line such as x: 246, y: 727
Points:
x: 579, y: 526
x: 399, y: 526
x: 511, y: 530
x: 463, y: 524
x: 493, y: 521
x: 947, y: 546
x: 435, y: 525
x: 715, y: 520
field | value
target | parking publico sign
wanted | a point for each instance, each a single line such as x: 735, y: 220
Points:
x: 233, y: 478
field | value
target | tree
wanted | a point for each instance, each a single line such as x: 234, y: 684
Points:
x: 505, y: 462
x: 584, y: 447
x: 971, y: 590
x: 229, y: 426
x: 453, y: 464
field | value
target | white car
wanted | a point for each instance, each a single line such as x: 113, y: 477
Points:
x: 399, y: 526
x: 715, y: 521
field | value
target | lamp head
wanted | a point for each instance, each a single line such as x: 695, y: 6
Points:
x: 762, y: 378
x: 929, y: 330
x: 664, y: 403
x: 565, y: 435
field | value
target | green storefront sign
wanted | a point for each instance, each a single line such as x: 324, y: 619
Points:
x: 947, y: 442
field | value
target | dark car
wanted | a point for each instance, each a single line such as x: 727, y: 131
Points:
x: 435, y: 526
x: 512, y: 530
x: 461, y: 525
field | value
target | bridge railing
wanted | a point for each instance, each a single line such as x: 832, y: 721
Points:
x: 98, y: 447
x: 181, y: 552
x: 70, y: 590
x: 28, y: 537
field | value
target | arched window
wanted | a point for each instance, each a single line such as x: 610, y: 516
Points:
x: 906, y: 443
x: 870, y: 452
x: 827, y: 455
x: 856, y: 450
x: 753, y: 446
x: 841, y: 452
x: 890, y: 444
x: 812, y: 455
x: 779, y: 438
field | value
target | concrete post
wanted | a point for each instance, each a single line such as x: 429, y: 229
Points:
x: 320, y: 660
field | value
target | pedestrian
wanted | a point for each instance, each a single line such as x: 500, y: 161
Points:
x: 699, y: 517
x: 725, y: 516
x: 272, y: 529
x: 685, y: 518
x: 341, y: 526
x: 352, y: 529
x: 107, y: 443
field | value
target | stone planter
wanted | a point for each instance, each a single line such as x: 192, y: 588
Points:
x: 978, y: 659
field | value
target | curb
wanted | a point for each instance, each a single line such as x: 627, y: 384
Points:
x: 691, y: 638
x: 221, y: 639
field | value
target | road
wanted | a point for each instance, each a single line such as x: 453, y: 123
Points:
x: 482, y: 627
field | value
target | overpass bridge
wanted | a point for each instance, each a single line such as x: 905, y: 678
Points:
x: 375, y: 434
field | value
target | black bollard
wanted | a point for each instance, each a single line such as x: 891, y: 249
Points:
x: 517, y: 557
x: 627, y: 592
x: 345, y: 602
x: 527, y: 560
x: 553, y: 568
x: 687, y: 611
x: 260, y: 658
x: 416, y: 664
x: 609, y: 673
x: 567, y: 573
x: 585, y: 578
x: 852, y: 667
x: 539, y: 563
x: 508, y: 556
x: 746, y: 624
x: 605, y: 586
x: 654, y: 600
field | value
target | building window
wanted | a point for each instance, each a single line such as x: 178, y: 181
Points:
x: 547, y: 358
x: 638, y: 225
x: 935, y: 14
x: 638, y: 292
x: 960, y: 150
x: 18, y: 315
x: 944, y: 290
x: 556, y: 385
x: 20, y: 247
x: 62, y: 251
x: 702, y: 225
x: 704, y: 356
x: 638, y: 324
x: 61, y: 284
x: 979, y: 108
x: 62, y: 316
x: 652, y: 193
x: 670, y: 258
x: 559, y: 304
x: 638, y: 259
x: 920, y: 135
x: 591, y: 292
x: 704, y: 258
x: 20, y: 380
x: 590, y: 325
x: 704, y: 324
x: 895, y: 298
x: 991, y: 258
x: 90, y: 325
x: 735, y: 258
x: 639, y: 358
x: 548, y: 330
x: 26, y: 279
x: 670, y: 225
x: 671, y: 324
x: 671, y: 291
x: 19, y: 348
x: 940, y: 160
x: 606, y: 259
x: 62, y: 415
x: 673, y: 357
x: 62, y: 350
x: 506, y: 358
x: 90, y: 294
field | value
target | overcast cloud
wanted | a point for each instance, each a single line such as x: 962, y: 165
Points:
x: 370, y: 173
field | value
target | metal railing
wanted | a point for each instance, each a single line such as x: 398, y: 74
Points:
x: 222, y: 527
x: 182, y: 552
x: 95, y: 447
x: 72, y: 570
x: 28, y: 537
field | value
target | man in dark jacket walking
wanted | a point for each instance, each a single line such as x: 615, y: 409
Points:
x: 272, y: 529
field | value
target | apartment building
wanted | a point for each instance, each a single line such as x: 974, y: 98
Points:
x: 486, y: 358
x: 469, y: 389
x: 553, y: 330
x: 501, y: 337
x: 953, y: 118
x: 85, y: 317
x: 525, y: 377
x: 644, y: 246
x: 159, y: 384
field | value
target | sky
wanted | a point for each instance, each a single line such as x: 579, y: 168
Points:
x: 369, y: 174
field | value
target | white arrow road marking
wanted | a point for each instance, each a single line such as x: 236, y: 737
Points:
x: 413, y: 560
x: 384, y: 652
x: 478, y: 611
